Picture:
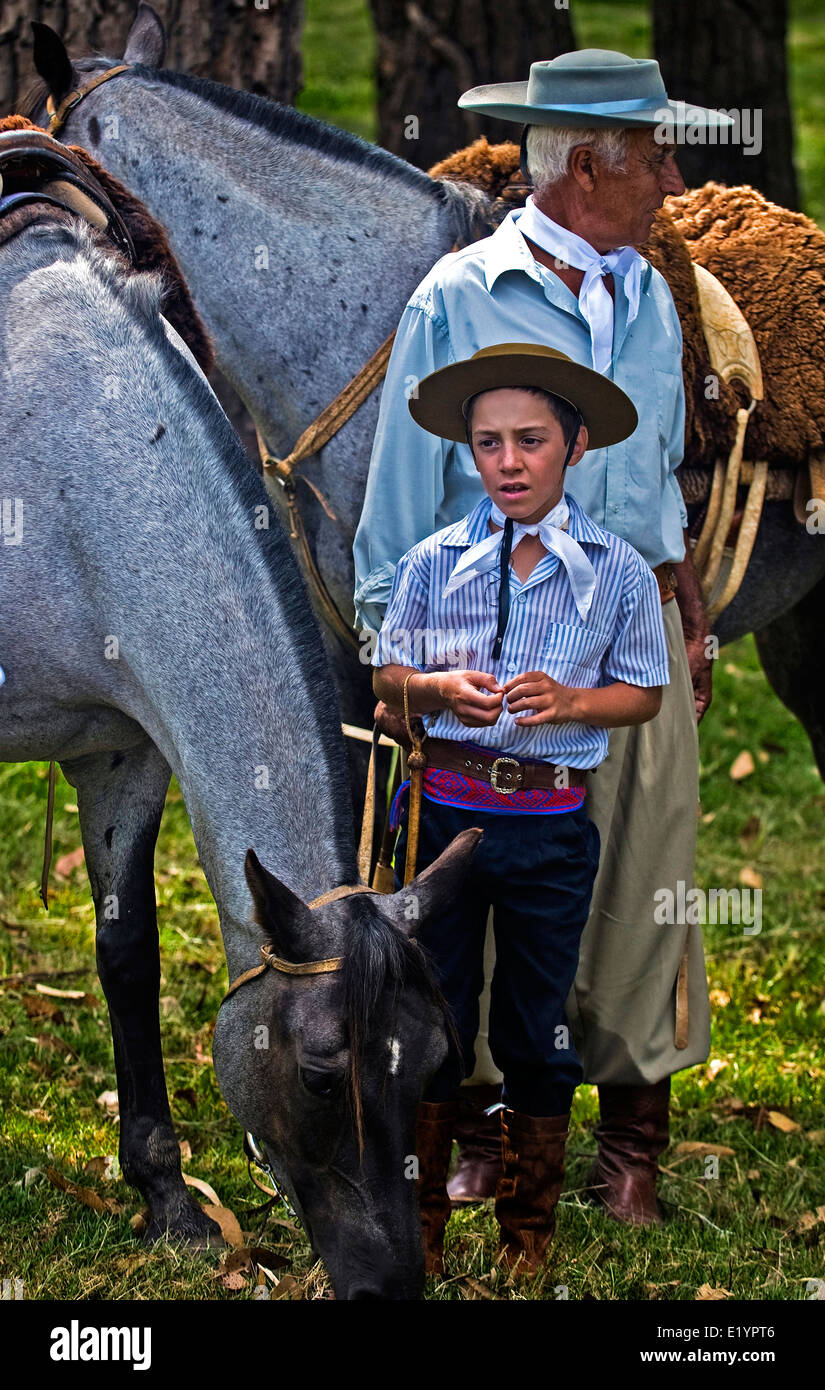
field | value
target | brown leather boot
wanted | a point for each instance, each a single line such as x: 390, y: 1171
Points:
x: 633, y: 1131
x: 434, y: 1130
x: 532, y: 1151
x: 479, y: 1146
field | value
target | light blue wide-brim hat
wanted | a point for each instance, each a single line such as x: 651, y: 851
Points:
x: 591, y: 87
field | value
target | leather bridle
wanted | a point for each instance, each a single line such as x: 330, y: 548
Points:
x: 60, y: 113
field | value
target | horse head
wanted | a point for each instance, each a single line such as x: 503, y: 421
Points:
x: 325, y: 1064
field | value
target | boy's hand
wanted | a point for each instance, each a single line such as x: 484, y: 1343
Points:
x: 535, y: 690
x: 465, y: 693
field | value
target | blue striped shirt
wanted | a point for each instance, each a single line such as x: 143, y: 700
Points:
x: 623, y: 638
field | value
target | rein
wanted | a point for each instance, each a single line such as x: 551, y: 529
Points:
x: 309, y: 967
x: 60, y: 113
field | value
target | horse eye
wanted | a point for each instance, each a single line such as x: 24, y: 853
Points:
x: 320, y: 1083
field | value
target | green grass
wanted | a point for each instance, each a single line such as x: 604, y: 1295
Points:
x: 742, y: 1231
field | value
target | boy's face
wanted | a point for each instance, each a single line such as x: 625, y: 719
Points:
x: 519, y: 451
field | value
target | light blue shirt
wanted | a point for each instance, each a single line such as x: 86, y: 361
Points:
x: 623, y: 638
x: 495, y: 291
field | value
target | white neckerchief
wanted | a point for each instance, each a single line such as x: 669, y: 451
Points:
x: 594, y: 298
x: 484, y: 556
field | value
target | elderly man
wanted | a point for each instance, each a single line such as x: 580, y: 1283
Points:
x: 563, y: 271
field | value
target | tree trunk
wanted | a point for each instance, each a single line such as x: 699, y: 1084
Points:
x: 255, y: 46
x: 430, y: 51
x: 730, y: 54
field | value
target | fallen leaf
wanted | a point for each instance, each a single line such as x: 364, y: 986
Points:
x: 763, y: 756
x: 742, y: 766
x: 67, y: 863
x: 50, y: 1040
x: 168, y: 1004
x: 755, y: 1015
x: 816, y: 1136
x: 732, y: 1105
x: 91, y: 1001
x: 477, y: 1289
x: 716, y: 1065
x: 719, y: 998
x: 228, y: 1222
x: 780, y: 1121
x: 86, y: 1195
x: 233, y: 1282
x: 42, y: 1115
x: 60, y: 993
x: 108, y: 1100
x: 129, y: 1263
x: 750, y: 829
x: 287, y: 1287
x: 186, y: 1094
x: 809, y: 1220
x: 698, y: 1146
x: 140, y: 1221
x: 708, y: 1293
x: 105, y: 1166
x: 37, y: 1006
x: 708, y: 817
x: 750, y: 877
x: 30, y: 1176
x: 202, y: 1187
x: 185, y: 1149
x: 753, y: 1174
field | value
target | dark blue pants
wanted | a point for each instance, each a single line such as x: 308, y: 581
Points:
x: 537, y: 873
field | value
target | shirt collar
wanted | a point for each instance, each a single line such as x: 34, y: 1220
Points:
x: 473, y: 527
x: 507, y: 250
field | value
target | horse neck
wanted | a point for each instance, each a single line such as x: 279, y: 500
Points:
x: 331, y: 244
x: 218, y: 657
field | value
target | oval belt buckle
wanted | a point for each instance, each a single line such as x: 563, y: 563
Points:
x: 505, y: 791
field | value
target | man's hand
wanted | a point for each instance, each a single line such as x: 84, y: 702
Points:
x: 473, y: 697
x: 393, y: 725
x: 701, y: 673
x: 537, y: 691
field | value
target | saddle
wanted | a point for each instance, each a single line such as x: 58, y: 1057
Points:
x: 34, y: 168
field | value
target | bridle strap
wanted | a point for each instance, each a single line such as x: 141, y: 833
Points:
x: 59, y: 115
x: 307, y: 967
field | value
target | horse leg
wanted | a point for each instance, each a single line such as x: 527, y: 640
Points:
x: 120, y: 800
x: 793, y: 658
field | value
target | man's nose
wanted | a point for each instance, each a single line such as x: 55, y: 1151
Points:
x: 510, y: 457
x: 672, y: 184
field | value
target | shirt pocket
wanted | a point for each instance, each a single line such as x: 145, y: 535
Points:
x: 667, y: 378
x: 573, y: 655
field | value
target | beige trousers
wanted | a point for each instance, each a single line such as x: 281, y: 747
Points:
x: 644, y: 800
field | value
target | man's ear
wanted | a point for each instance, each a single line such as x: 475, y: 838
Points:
x: 582, y: 167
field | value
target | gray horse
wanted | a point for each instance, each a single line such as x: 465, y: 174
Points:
x: 153, y: 620
x: 301, y: 245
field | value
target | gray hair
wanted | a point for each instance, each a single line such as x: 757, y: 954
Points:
x: 549, y: 148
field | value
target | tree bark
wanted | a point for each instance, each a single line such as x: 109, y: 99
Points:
x: 430, y: 51
x: 244, y: 46
x: 730, y: 54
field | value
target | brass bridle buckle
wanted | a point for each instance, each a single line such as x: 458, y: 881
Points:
x: 499, y: 762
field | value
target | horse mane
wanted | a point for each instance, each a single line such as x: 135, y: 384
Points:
x: 379, y: 957
x: 152, y: 249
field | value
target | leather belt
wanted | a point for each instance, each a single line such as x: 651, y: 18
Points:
x: 504, y: 773
x: 667, y: 581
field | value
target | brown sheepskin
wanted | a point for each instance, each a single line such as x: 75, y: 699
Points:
x: 152, y: 250
x: 770, y: 260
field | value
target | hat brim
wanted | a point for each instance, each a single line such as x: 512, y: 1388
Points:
x: 507, y: 101
x: 608, y: 413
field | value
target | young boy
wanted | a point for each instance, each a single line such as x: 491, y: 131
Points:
x: 521, y: 634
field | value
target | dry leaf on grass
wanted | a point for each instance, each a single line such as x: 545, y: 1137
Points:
x: 816, y: 1136
x: 67, y: 863
x: 42, y: 1115
x: 140, y: 1221
x: 476, y: 1289
x: 750, y: 877
x: 696, y: 1147
x: 185, y: 1149
x: 780, y: 1121
x: 719, y: 998
x: 742, y: 766
x: 228, y: 1222
x: 810, y: 1219
x: 103, y: 1166
x: 202, y: 1187
x: 708, y: 1293
x: 714, y: 1067
x: 37, y: 1006
x: 86, y: 1195
x: 55, y: 1044
x: 287, y: 1287
x: 108, y: 1100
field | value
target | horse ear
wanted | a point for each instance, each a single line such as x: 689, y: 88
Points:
x: 51, y: 60
x: 284, y: 918
x: 147, y: 41
x: 435, y: 886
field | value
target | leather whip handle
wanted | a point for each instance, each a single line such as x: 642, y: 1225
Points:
x: 416, y: 762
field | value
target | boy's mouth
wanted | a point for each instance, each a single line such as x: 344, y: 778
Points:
x: 513, y: 489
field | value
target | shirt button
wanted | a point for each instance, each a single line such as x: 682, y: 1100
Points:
x: 521, y: 598
x: 511, y: 666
